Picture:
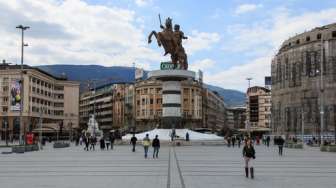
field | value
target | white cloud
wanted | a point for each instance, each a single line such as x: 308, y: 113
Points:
x: 200, y: 41
x: 204, y: 64
x: 142, y: 3
x: 73, y: 32
x: 244, y: 8
x: 261, y: 40
x: 235, y: 77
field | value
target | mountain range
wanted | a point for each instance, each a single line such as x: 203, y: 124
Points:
x: 120, y: 74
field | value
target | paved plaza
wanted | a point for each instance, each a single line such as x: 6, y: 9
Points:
x: 178, y: 167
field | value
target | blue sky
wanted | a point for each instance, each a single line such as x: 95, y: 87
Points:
x: 228, y: 40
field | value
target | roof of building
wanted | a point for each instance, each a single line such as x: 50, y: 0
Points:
x: 258, y: 88
x: 6, y: 66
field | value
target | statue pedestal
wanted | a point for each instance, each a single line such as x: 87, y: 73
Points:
x: 171, y: 95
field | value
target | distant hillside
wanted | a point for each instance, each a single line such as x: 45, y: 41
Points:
x: 231, y: 97
x: 119, y: 74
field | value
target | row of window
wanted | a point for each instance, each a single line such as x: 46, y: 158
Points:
x: 318, y: 37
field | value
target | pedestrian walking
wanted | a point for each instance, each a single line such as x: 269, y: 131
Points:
x: 81, y: 140
x: 146, y: 143
x: 112, y: 139
x: 156, y: 146
x: 86, y: 142
x: 249, y: 156
x: 102, y: 143
x: 93, y: 141
x: 233, y: 140
x: 187, y: 137
x: 133, y: 142
x: 268, y: 139
x: 238, y: 141
x: 280, y: 142
x: 107, y: 143
x: 228, y: 142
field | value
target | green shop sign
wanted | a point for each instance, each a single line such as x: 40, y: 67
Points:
x: 167, y: 66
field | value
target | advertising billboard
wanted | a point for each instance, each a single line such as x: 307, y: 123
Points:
x: 15, y: 90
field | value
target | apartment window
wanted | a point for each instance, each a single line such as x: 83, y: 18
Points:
x: 143, y: 101
x: 151, y: 101
x: 38, y: 90
x: 138, y: 102
x: 5, y: 88
x: 319, y: 36
x: 333, y: 34
x: 308, y: 38
x: 5, y: 109
x: 34, y: 89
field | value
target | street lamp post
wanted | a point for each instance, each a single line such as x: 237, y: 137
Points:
x: 322, y: 91
x: 6, y: 128
x: 248, y: 124
x: 41, y: 120
x: 23, y: 28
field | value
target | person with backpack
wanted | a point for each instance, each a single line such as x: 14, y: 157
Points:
x: 146, y: 143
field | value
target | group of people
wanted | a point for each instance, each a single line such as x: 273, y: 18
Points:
x: 231, y: 141
x: 155, y: 144
x: 91, y: 141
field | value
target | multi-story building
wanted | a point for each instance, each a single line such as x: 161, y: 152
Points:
x: 123, y: 106
x: 214, y: 111
x: 304, y: 83
x: 113, y: 107
x: 99, y: 103
x: 236, y: 118
x: 258, y: 111
x: 148, y: 104
x: 45, y: 96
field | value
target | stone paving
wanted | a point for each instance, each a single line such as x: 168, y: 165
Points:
x: 179, y: 167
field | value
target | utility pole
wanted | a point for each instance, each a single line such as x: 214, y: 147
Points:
x: 41, y: 139
x: 6, y: 127
x: 322, y: 91
x: 248, y: 125
x: 22, y: 132
x: 302, y: 125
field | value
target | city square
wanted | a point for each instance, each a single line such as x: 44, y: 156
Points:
x: 195, y: 166
x: 175, y: 94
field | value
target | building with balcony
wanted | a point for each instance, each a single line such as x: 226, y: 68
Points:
x: 236, y: 118
x: 214, y: 111
x: 54, y: 99
x: 113, y: 104
x: 148, y: 104
x: 258, y: 111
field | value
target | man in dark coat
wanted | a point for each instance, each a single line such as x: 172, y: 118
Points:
x: 281, y: 142
x: 133, y: 142
x: 156, y: 146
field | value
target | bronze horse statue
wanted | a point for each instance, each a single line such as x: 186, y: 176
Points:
x: 170, y: 41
